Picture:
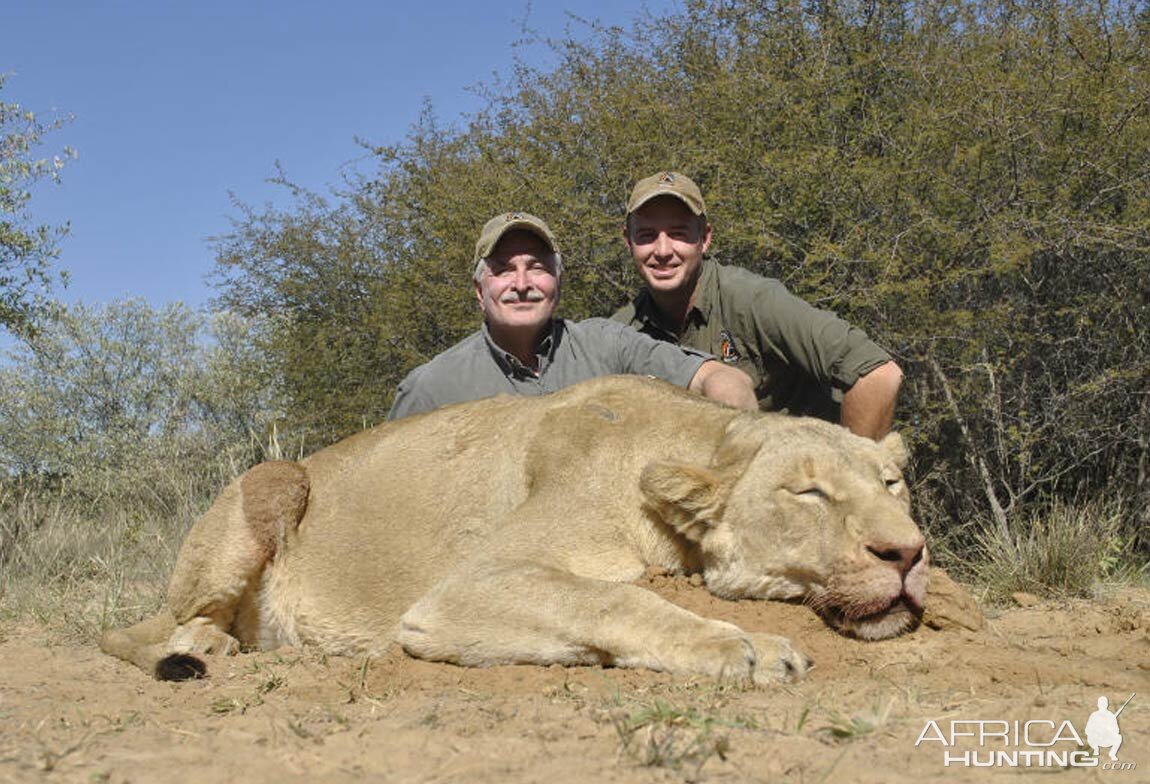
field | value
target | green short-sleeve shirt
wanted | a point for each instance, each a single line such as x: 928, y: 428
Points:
x: 572, y: 352
x: 800, y: 358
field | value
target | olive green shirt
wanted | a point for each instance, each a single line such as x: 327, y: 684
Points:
x: 794, y: 353
x: 573, y: 351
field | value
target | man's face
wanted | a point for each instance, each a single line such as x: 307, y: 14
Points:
x: 667, y: 242
x: 518, y: 289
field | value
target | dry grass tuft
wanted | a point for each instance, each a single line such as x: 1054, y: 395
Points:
x: 80, y: 565
x: 1065, y: 550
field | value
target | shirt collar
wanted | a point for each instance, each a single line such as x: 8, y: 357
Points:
x: 544, y: 350
x: 706, y: 292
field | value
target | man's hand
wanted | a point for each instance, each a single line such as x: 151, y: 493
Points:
x: 868, y: 406
x: 725, y: 384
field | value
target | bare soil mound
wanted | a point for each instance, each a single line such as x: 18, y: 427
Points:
x: 69, y: 713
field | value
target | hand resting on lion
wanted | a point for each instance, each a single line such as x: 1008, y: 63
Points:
x: 506, y: 530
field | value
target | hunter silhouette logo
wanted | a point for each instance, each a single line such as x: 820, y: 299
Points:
x: 1102, y: 728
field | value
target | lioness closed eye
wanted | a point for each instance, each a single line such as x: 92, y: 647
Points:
x: 506, y: 531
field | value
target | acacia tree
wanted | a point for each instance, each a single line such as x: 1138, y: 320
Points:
x: 127, y: 400
x: 965, y: 180
x: 26, y: 248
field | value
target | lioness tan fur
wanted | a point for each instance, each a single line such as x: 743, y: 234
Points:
x: 506, y: 530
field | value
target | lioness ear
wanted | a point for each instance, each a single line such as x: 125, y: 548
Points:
x: 894, y: 446
x: 742, y: 440
x: 686, y: 497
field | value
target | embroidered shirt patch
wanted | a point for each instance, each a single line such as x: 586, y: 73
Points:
x: 727, y: 349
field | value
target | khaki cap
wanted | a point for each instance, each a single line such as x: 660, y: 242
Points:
x: 495, y: 228
x: 667, y: 184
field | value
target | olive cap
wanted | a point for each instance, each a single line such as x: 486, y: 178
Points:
x: 495, y: 228
x: 667, y: 184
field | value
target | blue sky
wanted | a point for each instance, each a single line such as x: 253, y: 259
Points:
x: 176, y: 105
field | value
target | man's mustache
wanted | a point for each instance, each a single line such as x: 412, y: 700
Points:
x: 531, y: 295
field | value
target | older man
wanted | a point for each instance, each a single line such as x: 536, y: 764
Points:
x: 802, y: 360
x: 523, y: 349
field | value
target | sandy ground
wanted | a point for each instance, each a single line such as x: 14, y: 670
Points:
x: 70, y: 714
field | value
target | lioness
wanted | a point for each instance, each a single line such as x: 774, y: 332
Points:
x: 506, y: 530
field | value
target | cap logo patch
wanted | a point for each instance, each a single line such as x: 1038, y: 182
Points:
x: 666, y: 178
x: 513, y: 216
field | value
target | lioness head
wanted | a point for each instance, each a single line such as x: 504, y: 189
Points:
x: 802, y: 509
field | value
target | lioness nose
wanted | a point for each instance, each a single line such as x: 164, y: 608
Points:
x: 904, y: 557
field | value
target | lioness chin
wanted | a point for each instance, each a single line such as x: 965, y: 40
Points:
x: 506, y: 531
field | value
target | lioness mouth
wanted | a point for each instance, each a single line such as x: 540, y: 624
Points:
x: 894, y: 617
x: 901, y: 603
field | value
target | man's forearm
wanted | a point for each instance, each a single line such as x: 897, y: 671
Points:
x: 868, y: 406
x: 726, y: 385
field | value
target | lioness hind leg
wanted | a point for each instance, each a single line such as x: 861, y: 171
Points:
x: 226, y: 550
x: 211, y: 594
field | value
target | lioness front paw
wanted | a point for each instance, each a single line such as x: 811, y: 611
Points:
x: 777, y: 660
x: 723, y: 653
